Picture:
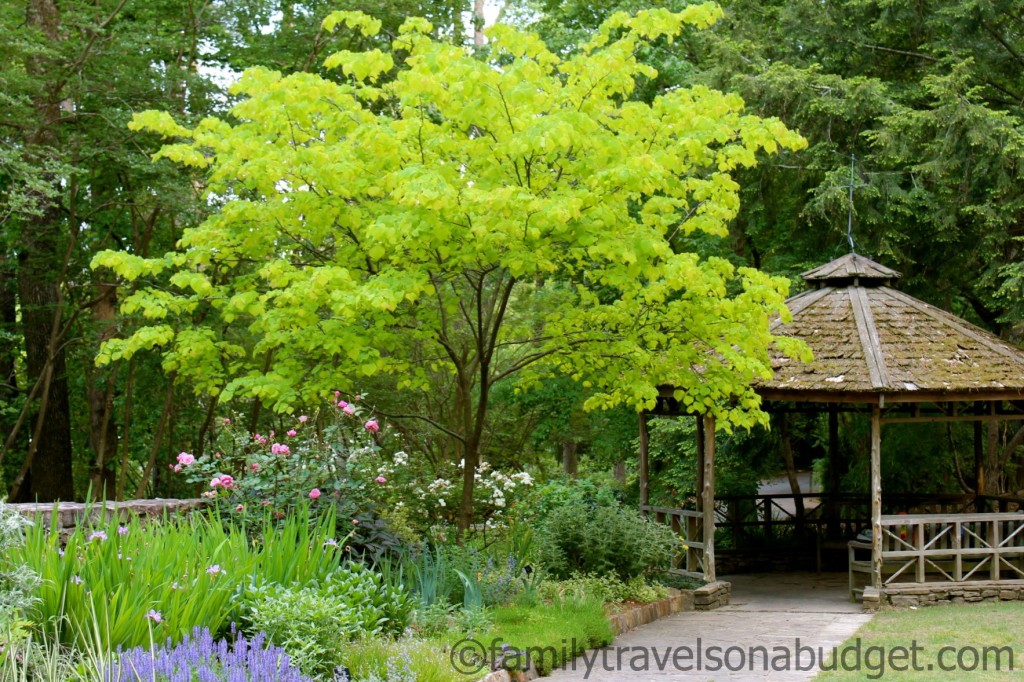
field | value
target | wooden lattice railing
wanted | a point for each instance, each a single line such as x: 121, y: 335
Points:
x: 688, y: 525
x: 952, y: 548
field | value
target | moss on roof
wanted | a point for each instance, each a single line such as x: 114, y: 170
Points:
x: 870, y: 338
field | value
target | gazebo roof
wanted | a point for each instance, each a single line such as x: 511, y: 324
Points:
x: 869, y: 339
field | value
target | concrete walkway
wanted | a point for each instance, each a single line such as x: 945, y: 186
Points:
x: 776, y: 611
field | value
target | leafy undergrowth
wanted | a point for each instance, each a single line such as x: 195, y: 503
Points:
x: 548, y: 635
x: 422, y: 660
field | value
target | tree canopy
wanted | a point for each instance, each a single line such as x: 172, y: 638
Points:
x: 473, y: 217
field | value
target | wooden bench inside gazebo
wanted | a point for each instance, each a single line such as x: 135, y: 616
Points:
x: 896, y: 360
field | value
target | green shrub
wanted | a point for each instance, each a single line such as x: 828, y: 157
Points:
x: 609, y: 589
x: 440, y: 619
x: 597, y: 539
x: 313, y: 622
x: 407, y: 660
x: 17, y: 581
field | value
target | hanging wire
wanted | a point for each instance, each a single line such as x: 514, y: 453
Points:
x: 849, y: 217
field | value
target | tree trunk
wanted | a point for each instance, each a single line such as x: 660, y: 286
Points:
x: 619, y: 472
x: 100, y: 394
x: 10, y: 349
x: 39, y: 291
x: 478, y: 23
x: 570, y: 457
x: 470, y: 456
x: 49, y: 477
x: 787, y: 457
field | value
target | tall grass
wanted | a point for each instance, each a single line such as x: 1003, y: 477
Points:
x: 114, y: 582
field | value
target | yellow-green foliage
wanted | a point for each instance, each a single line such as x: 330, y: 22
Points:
x: 371, y: 224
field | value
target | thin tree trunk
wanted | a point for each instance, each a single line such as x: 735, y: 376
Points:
x: 206, y: 428
x: 9, y: 347
x: 102, y: 425
x: 570, y: 457
x: 619, y: 471
x: 122, y: 472
x: 787, y: 456
x: 478, y: 23
x: 154, y: 450
x: 26, y: 468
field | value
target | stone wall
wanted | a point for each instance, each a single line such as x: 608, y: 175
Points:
x: 643, y: 614
x: 712, y: 596
x: 924, y: 594
x: 73, y: 514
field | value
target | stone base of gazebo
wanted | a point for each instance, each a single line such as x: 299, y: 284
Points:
x: 906, y: 595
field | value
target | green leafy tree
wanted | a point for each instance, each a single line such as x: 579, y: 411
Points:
x: 476, y: 218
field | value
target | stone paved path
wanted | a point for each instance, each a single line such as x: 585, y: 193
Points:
x: 766, y: 610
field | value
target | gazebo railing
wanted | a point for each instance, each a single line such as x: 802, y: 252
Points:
x: 952, y: 548
x: 688, y: 525
x: 765, y: 521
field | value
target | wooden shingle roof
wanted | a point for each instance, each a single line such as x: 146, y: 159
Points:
x: 869, y: 339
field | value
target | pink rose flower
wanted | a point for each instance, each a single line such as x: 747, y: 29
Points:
x: 314, y: 493
x: 292, y: 433
x: 303, y: 418
x: 280, y: 449
x: 227, y: 422
x: 255, y: 466
x: 176, y: 468
x: 372, y: 426
x: 381, y: 479
x: 349, y: 410
x: 215, y: 482
x: 342, y: 404
x: 185, y: 459
x: 239, y: 507
x: 227, y: 481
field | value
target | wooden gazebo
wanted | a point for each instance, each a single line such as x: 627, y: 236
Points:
x: 898, y: 360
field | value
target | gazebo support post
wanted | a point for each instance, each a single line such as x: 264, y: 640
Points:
x: 979, y: 468
x: 876, y: 497
x: 700, y: 463
x: 833, y: 473
x: 644, y: 466
x: 992, y: 457
x: 708, y: 496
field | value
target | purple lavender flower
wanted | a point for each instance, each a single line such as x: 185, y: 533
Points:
x: 199, y: 657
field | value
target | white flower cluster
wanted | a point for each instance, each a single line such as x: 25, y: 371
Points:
x: 496, y: 486
x: 493, y: 487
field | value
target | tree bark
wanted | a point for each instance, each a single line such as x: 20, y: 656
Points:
x: 619, y: 471
x: 787, y: 457
x: 100, y: 395
x: 39, y: 291
x: 10, y: 349
x: 570, y: 457
x: 478, y: 23
x: 49, y: 477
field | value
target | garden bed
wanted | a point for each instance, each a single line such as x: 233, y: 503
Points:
x: 633, y: 615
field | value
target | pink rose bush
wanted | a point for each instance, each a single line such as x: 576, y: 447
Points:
x: 343, y: 458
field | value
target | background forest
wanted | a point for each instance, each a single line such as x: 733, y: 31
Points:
x: 918, y: 105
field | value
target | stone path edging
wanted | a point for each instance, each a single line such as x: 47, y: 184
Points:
x: 704, y: 598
